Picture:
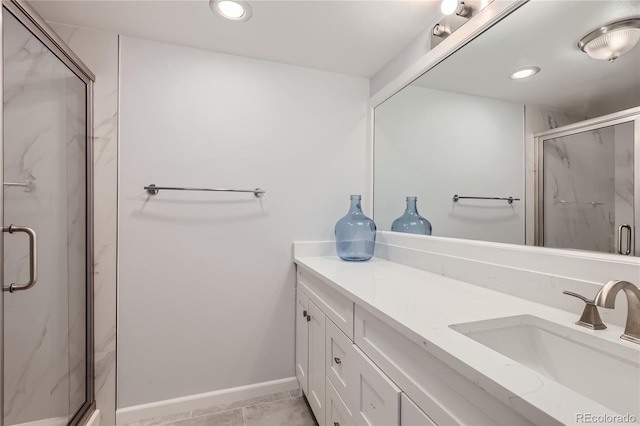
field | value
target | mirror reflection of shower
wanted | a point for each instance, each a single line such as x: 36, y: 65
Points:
x: 587, y: 185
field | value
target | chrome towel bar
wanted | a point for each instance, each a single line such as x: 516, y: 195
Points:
x: 27, y: 184
x: 510, y: 200
x: 153, y: 189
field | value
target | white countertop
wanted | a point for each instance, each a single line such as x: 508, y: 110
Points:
x: 422, y: 305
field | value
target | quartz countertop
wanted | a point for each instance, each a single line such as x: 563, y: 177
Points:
x: 422, y: 305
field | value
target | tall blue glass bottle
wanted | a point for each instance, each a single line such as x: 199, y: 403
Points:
x: 355, y: 234
x: 411, y: 222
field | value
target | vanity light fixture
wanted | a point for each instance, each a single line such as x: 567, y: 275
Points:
x: 233, y: 10
x: 449, y: 7
x: 525, y: 72
x: 611, y: 41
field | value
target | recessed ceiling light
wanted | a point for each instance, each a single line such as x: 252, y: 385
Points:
x: 234, y: 10
x: 524, y: 73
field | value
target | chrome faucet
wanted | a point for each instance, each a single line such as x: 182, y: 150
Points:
x: 606, y: 298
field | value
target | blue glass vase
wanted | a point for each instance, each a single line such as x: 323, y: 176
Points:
x: 355, y: 234
x: 411, y: 222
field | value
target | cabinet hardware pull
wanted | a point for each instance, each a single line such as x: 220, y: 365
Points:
x: 336, y: 424
x: 337, y: 360
x: 308, y: 318
x: 304, y: 313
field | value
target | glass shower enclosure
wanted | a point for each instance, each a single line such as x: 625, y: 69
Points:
x: 588, y: 189
x: 46, y: 307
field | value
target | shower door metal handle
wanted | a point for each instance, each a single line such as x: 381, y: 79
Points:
x: 33, y: 258
x: 628, y: 228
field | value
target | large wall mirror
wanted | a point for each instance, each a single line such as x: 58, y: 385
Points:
x: 550, y: 160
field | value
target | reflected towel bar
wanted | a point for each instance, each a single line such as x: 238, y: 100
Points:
x: 153, y: 190
x: 27, y: 184
x: 510, y: 200
x: 593, y: 203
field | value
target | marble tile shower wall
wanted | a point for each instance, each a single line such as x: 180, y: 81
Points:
x: 579, y: 169
x: 43, y: 114
x: 538, y: 120
x: 99, y: 50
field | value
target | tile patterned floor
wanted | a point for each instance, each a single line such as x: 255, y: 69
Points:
x: 280, y: 409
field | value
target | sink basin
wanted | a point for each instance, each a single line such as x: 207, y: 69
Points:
x: 603, y: 371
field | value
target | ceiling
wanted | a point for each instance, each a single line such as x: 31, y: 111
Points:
x: 545, y: 34
x: 349, y: 37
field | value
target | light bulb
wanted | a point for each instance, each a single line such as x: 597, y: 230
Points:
x: 230, y: 9
x: 448, y: 7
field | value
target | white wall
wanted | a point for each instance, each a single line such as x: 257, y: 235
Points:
x: 206, y: 285
x: 434, y: 144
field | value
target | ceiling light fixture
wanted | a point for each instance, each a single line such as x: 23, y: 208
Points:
x: 233, y: 10
x: 525, y: 72
x: 611, y: 41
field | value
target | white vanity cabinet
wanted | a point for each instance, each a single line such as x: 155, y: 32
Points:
x: 355, y: 369
x: 318, y: 306
x: 445, y: 395
x: 343, y: 386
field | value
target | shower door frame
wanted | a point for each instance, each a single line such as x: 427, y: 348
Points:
x: 625, y: 116
x: 28, y: 17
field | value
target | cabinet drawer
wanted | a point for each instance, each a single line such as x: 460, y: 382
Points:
x: 330, y: 301
x: 445, y: 395
x: 411, y: 415
x: 337, y: 413
x: 339, y: 360
x: 377, y: 400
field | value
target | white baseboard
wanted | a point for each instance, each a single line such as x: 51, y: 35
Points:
x: 202, y: 400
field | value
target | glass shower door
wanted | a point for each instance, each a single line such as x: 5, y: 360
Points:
x: 45, y: 189
x: 589, y: 188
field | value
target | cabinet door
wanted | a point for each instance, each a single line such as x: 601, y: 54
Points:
x: 302, y: 341
x: 337, y: 412
x: 378, y: 399
x: 316, y: 372
x: 411, y: 415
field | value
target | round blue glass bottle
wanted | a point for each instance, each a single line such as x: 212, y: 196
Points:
x: 411, y: 222
x: 355, y: 234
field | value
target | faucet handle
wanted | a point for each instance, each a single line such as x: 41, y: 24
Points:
x: 590, y: 317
